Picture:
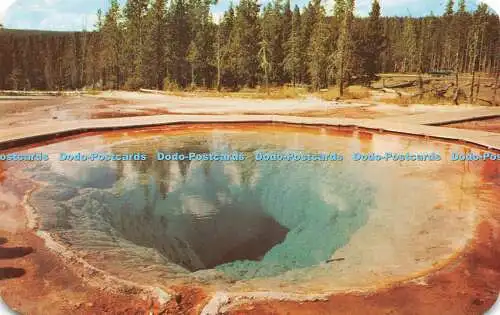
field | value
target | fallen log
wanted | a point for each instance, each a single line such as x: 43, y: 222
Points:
x: 483, y: 100
x: 402, y: 85
x: 40, y: 93
x: 151, y: 91
x: 439, y: 92
x: 386, y: 90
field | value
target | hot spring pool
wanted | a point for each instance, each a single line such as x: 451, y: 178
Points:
x: 247, y: 224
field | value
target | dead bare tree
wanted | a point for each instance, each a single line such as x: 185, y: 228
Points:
x: 471, y: 94
x: 495, y: 87
x: 456, y: 94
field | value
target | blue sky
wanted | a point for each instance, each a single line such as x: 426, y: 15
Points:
x: 79, y: 14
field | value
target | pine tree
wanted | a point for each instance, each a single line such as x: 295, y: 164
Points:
x: 373, y: 45
x: 93, y: 60
x: 155, y: 46
x: 135, y: 12
x: 476, y: 38
x: 180, y: 43
x: 449, y: 40
x: 449, y: 8
x: 409, y: 46
x: 464, y: 23
x: 180, y: 39
x: 336, y: 24
x: 344, y: 45
x: 265, y: 65
x: 318, y: 50
x: 421, y: 36
x: 113, y: 43
x: 293, y: 60
x: 308, y: 21
x: 222, y: 50
x: 245, y: 42
x: 287, y: 28
x: 339, y: 9
x: 272, y: 33
x: 219, y: 42
x: 192, y: 58
x: 16, y: 75
x: 99, y: 22
x: 200, y: 49
x: 461, y: 6
x: 69, y: 63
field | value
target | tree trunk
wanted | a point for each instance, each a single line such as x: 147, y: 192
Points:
x: 495, y: 88
x: 471, y: 96
x: 117, y: 73
x: 267, y: 81
x: 218, y: 61
x: 218, y: 73
x: 478, y: 85
x: 457, y: 89
x: 193, y: 84
x: 420, y: 85
x: 341, y: 78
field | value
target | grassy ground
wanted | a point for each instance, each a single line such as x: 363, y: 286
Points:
x: 258, y: 93
x: 276, y: 93
x: 483, y: 90
x: 401, y: 96
x: 354, y: 92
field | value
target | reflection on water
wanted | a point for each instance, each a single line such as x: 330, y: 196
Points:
x: 244, y: 218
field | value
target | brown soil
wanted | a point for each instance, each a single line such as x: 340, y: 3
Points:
x: 35, y: 281
x: 40, y: 283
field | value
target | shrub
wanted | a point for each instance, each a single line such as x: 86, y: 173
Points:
x: 170, y: 86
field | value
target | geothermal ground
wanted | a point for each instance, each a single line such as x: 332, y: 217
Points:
x: 39, y: 275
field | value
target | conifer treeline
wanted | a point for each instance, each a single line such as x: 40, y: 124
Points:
x: 176, y: 44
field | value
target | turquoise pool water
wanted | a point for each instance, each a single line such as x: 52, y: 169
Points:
x: 245, y: 218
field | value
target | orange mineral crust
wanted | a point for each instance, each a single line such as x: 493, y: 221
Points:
x: 425, y: 243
